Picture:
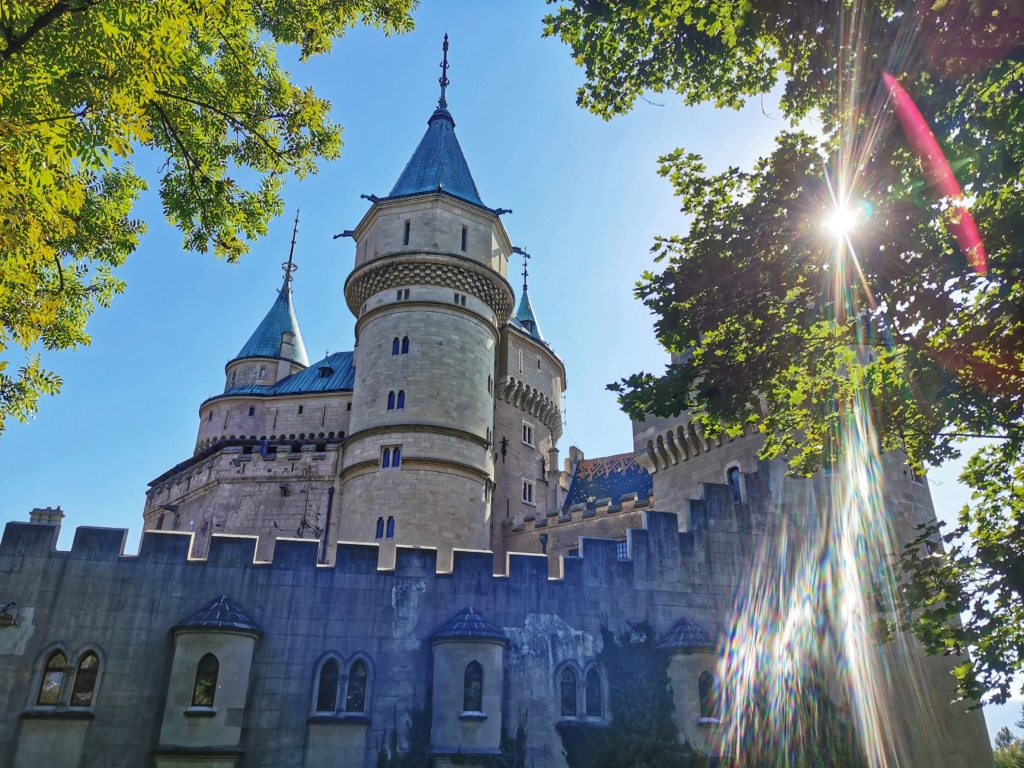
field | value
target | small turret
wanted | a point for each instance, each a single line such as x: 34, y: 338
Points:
x: 275, y: 349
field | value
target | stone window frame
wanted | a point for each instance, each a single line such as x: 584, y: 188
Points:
x: 391, y: 457
x: 739, y: 491
x: 560, y: 698
x: 343, y: 696
x: 581, y: 674
x: 473, y: 695
x: 529, y: 492
x: 201, y: 676
x: 709, y: 697
x: 594, y: 669
x: 70, y: 675
x: 529, y: 431
x: 465, y: 237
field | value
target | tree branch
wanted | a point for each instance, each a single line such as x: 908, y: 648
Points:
x: 15, y: 43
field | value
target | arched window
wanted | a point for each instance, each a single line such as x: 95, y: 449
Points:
x: 708, y: 695
x: 405, y: 345
x: 473, y: 687
x: 85, y: 680
x: 380, y: 527
x: 206, y: 681
x: 53, y: 680
x: 327, y: 688
x: 594, y: 705
x: 401, y: 399
x: 394, y: 346
x: 733, y: 476
x: 355, y: 699
x: 391, y: 527
x: 567, y: 691
x: 391, y: 400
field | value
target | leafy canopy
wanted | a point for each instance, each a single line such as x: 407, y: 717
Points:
x: 85, y: 82
x: 775, y: 320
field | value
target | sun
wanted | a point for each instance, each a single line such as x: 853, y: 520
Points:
x: 842, y: 221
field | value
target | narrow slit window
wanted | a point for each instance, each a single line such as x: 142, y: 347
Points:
x: 405, y: 236
x: 405, y: 345
x: 300, y: 410
x: 385, y: 460
x: 594, y: 704
x: 733, y: 476
x: 263, y: 372
x: 206, y: 681
x: 380, y: 527
x: 53, y: 680
x: 401, y: 399
x: 391, y: 400
x: 472, y: 688
x: 391, y: 528
x: 464, y: 233
x: 355, y: 700
x: 252, y: 410
x: 394, y: 346
x: 396, y: 457
x: 567, y: 693
x: 327, y: 689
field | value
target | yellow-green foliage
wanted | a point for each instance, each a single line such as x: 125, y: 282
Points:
x: 85, y: 82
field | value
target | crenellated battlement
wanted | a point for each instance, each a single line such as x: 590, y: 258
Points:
x: 664, y: 443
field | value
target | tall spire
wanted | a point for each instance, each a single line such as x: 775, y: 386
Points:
x: 524, y: 314
x: 289, y: 267
x: 438, y: 164
x: 443, y: 79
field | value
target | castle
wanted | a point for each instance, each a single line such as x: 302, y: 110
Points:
x: 391, y: 528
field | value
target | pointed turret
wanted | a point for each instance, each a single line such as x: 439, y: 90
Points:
x: 524, y: 316
x: 268, y: 340
x: 438, y: 164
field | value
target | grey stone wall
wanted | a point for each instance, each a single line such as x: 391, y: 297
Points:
x: 126, y: 606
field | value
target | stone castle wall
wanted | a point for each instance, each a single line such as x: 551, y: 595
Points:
x: 126, y: 606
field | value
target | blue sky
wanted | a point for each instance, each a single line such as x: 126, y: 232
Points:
x: 586, y: 201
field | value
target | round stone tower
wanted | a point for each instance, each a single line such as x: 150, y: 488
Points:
x: 429, y: 293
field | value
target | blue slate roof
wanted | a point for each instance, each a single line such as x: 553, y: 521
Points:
x: 608, y: 477
x: 469, y: 624
x: 438, y: 164
x: 266, y: 339
x: 686, y: 636
x: 315, y: 378
x: 525, y: 317
x: 221, y: 614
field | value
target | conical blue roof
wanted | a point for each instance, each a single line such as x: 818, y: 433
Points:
x: 687, y: 636
x: 222, y: 613
x: 469, y: 624
x: 438, y: 164
x: 526, y: 318
x: 266, y: 339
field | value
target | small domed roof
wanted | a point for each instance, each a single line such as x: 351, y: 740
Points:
x: 221, y: 614
x: 686, y: 636
x: 469, y: 624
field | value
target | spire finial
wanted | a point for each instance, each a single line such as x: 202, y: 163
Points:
x: 525, y: 256
x: 289, y: 267
x: 443, y: 79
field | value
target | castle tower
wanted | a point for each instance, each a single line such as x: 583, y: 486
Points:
x: 529, y: 382
x: 429, y: 293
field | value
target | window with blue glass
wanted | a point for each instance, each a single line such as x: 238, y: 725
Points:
x: 401, y: 399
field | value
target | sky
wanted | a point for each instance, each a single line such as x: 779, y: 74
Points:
x: 587, y: 203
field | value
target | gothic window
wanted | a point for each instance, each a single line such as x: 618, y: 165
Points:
x: 394, y: 346
x: 391, y: 400
x: 391, y: 527
x: 401, y: 399
x: 380, y: 527
x: 355, y: 698
x: 53, y: 680
x: 405, y: 345
x: 594, y: 701
x: 405, y: 237
x: 206, y: 681
x: 85, y: 680
x: 733, y: 476
x: 706, y: 690
x: 472, y: 688
x: 327, y: 688
x: 567, y: 692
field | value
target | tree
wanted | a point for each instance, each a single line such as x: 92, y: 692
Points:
x: 1004, y: 738
x: 777, y: 321
x: 83, y: 83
